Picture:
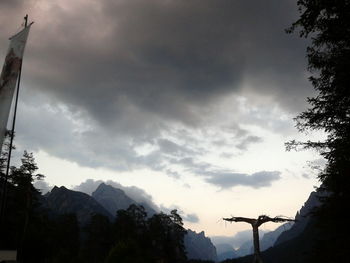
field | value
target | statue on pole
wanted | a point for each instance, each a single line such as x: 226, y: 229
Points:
x: 255, y: 223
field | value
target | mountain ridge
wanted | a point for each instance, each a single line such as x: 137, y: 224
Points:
x: 114, y: 199
x: 64, y: 201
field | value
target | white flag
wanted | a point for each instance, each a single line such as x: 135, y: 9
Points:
x: 9, y: 75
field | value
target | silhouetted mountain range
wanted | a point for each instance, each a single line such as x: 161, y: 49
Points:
x: 225, y: 251
x: 302, y: 218
x: 64, y: 201
x: 268, y: 240
x: 107, y: 200
x: 198, y: 246
x: 114, y: 199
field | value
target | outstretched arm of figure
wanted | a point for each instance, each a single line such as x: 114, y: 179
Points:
x: 277, y: 219
x: 240, y: 219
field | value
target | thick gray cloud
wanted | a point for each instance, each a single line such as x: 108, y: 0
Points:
x: 227, y: 180
x: 116, y: 75
x: 162, y: 59
x: 169, y: 147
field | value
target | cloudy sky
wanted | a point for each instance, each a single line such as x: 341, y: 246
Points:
x: 186, y: 104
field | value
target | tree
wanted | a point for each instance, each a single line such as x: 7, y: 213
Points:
x: 167, y: 235
x: 131, y: 223
x: 156, y: 239
x: 327, y: 23
x: 131, y: 236
x: 4, y: 170
x: 26, y: 196
x: 66, y: 239
x: 98, y: 240
x: 25, y: 225
x: 178, y: 235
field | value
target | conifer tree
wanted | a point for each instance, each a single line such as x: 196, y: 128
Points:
x: 327, y: 24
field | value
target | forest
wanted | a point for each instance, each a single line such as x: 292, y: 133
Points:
x: 41, y: 235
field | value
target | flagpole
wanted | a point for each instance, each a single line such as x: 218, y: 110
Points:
x: 12, y: 133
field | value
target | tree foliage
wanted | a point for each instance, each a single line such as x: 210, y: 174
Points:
x: 41, y: 235
x: 327, y: 23
x: 156, y: 239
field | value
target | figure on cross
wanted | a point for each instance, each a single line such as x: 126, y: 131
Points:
x: 255, y: 223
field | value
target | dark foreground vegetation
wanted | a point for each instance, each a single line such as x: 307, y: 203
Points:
x: 327, y: 24
x: 41, y: 235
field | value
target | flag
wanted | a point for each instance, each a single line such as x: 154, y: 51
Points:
x: 9, y: 76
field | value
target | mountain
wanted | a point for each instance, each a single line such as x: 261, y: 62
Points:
x: 225, y: 251
x: 302, y: 218
x: 114, y: 199
x: 198, y: 246
x: 62, y: 201
x: 247, y: 247
x: 106, y: 200
x: 294, y: 250
x: 235, y: 241
x: 242, y: 240
x: 268, y: 240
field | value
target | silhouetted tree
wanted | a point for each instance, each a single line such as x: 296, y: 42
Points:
x: 23, y: 200
x: 327, y: 23
x: 99, y: 239
x: 131, y: 223
x: 138, y: 239
x: 66, y: 239
x: 167, y: 235
x: 4, y: 169
x: 131, y: 236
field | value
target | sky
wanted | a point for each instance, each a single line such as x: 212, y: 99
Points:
x: 183, y: 104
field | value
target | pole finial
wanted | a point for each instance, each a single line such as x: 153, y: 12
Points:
x: 26, y: 20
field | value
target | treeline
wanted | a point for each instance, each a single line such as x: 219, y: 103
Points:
x: 40, y: 235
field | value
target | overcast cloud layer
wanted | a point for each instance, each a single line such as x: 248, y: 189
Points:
x: 130, y: 84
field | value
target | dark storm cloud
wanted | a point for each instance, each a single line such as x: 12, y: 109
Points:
x: 132, y: 70
x: 163, y: 57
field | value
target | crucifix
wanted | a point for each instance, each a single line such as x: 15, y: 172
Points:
x: 255, y: 223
